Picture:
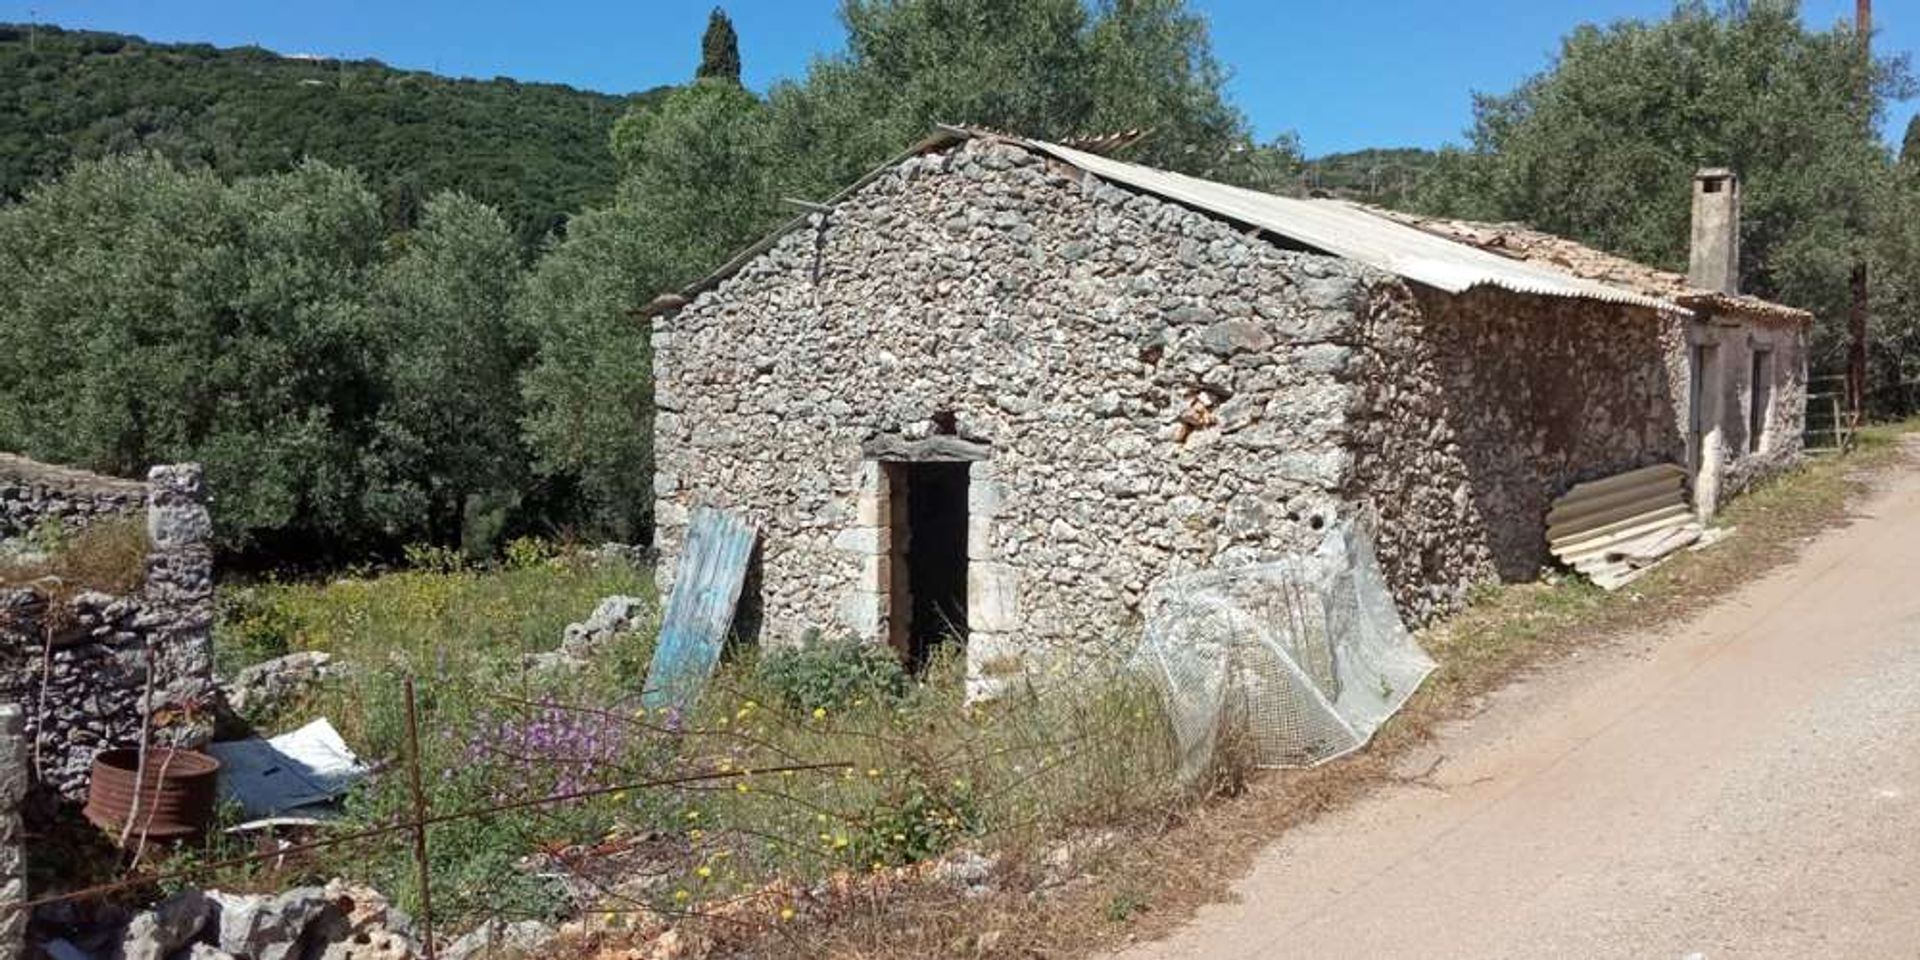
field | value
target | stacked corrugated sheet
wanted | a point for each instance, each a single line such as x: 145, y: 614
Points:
x: 1613, y: 529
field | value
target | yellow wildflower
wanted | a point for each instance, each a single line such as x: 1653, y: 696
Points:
x: 703, y: 872
x: 873, y: 771
x: 741, y: 786
x: 680, y: 896
x: 693, y: 815
x: 786, y: 914
x: 696, y: 834
x: 819, y: 713
x: 840, y: 841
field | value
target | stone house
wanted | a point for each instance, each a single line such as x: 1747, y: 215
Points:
x: 999, y: 388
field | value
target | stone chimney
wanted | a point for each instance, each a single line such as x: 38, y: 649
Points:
x: 1715, y: 260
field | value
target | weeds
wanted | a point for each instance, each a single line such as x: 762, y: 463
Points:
x: 108, y: 555
x: 920, y: 774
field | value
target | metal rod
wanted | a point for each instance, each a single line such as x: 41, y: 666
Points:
x: 419, y: 822
x: 393, y: 828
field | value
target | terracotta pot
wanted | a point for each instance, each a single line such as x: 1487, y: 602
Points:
x: 176, y: 795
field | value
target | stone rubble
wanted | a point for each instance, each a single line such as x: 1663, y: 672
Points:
x: 580, y: 642
x: 264, y: 687
x: 338, y: 921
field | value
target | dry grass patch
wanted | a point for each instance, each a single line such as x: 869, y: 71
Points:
x: 108, y: 555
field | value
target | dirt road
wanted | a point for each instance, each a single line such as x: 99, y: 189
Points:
x: 1747, y: 785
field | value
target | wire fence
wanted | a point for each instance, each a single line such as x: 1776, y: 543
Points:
x: 1046, y: 761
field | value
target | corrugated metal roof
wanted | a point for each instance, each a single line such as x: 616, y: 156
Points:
x: 1336, y: 227
x: 1348, y: 231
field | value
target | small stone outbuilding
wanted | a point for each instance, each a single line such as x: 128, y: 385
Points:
x: 1000, y: 388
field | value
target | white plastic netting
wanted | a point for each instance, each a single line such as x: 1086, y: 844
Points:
x: 1305, y: 657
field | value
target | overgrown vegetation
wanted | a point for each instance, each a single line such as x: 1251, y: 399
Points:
x: 108, y: 555
x: 896, y: 771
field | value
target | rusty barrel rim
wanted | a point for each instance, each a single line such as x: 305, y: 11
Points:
x: 176, y: 796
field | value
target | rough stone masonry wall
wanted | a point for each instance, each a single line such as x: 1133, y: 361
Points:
x: 79, y: 665
x: 1160, y: 393
x: 34, y: 493
x: 1542, y: 393
x: 1410, y: 476
x: 13, y: 862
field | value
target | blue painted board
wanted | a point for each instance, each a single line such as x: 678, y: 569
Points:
x: 706, y: 589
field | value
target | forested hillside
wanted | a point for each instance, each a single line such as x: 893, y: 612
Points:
x: 536, y: 152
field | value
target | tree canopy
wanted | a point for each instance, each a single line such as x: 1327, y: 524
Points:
x: 719, y: 50
x: 1602, y: 146
x: 534, y: 151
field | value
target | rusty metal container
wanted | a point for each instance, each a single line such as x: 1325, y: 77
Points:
x: 176, y: 796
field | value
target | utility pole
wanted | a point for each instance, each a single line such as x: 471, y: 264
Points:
x: 1857, y: 278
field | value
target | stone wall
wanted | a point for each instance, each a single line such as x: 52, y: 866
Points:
x: 83, y: 664
x: 1543, y: 393
x: 1410, y: 473
x: 1158, y: 391
x: 1739, y: 457
x: 13, y: 858
x: 34, y: 493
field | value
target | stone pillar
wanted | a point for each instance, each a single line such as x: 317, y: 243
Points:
x: 178, y: 612
x: 13, y: 859
x: 993, y: 592
x: 863, y: 610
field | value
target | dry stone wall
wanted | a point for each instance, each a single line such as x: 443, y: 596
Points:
x: 89, y: 668
x: 1159, y: 392
x: 13, y: 853
x: 33, y: 494
x: 1410, y: 477
x: 1543, y: 393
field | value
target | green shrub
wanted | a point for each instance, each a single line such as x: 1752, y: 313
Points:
x: 251, y: 626
x: 832, y: 673
x: 524, y: 552
x: 914, y: 817
x: 433, y: 558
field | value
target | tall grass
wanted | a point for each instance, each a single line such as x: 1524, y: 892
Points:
x: 912, y: 772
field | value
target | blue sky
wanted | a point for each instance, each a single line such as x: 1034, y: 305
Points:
x: 1343, y: 73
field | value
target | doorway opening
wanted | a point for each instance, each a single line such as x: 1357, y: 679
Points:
x: 929, y: 556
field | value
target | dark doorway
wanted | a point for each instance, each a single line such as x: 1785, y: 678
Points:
x: 935, y: 539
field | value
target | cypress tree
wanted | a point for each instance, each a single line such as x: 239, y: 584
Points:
x: 719, y: 50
